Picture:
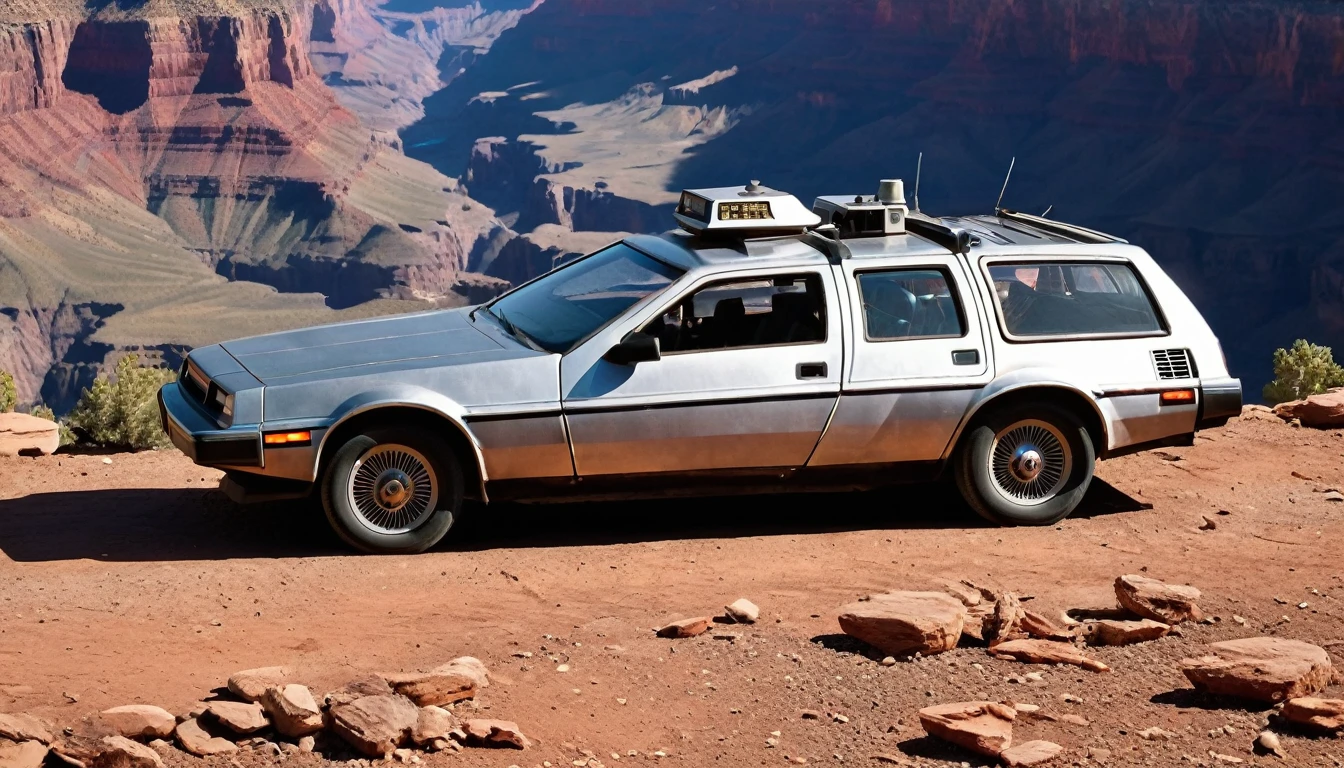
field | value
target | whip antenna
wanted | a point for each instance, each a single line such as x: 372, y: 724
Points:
x: 998, y: 206
x: 919, y: 166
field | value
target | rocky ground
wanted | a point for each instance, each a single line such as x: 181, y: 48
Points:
x: 134, y: 582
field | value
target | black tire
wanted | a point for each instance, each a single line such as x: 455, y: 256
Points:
x: 997, y: 490
x: 391, y: 461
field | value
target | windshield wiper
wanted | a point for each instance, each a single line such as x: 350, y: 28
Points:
x: 512, y: 329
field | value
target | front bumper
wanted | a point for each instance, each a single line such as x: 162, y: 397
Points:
x: 199, y: 437
x: 1220, y: 400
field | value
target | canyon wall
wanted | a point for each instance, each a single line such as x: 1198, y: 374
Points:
x: 157, y: 166
x: 1205, y: 131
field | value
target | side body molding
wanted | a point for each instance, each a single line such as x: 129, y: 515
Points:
x: 404, y: 396
x: 1038, y: 379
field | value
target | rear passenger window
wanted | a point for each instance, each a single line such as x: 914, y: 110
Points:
x: 909, y: 304
x: 1064, y: 299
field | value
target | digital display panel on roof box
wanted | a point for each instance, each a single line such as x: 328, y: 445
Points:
x: 744, y: 211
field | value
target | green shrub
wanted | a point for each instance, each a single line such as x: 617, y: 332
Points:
x: 1305, y: 369
x: 9, y: 394
x: 43, y: 412
x: 123, y: 412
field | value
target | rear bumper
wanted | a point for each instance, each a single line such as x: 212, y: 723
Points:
x: 200, y: 438
x: 1220, y: 400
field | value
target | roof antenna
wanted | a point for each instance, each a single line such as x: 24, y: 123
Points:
x: 1048, y: 209
x: 998, y: 206
x: 919, y: 166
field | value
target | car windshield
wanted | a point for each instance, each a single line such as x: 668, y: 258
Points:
x: 561, y: 309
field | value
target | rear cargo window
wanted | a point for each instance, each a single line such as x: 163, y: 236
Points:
x: 1051, y: 298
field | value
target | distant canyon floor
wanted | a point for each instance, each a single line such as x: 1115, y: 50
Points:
x: 137, y: 582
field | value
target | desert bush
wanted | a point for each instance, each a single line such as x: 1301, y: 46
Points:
x: 123, y: 411
x: 9, y: 393
x: 1304, y: 369
x: 43, y: 412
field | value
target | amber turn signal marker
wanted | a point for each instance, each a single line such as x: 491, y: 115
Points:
x: 288, y: 438
x: 1178, y: 396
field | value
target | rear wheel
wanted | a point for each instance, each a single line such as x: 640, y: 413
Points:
x: 1029, y: 464
x: 394, y: 490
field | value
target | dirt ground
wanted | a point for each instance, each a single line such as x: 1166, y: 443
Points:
x: 136, y: 581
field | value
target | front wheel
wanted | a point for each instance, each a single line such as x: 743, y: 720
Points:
x: 392, y: 491
x: 1026, y: 465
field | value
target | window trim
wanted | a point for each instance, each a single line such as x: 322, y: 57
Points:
x: 952, y: 286
x: 710, y: 283
x: 1027, y: 261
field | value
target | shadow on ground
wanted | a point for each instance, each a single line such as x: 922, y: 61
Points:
x: 201, y: 524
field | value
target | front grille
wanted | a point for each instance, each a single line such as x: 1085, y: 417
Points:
x: 1173, y: 364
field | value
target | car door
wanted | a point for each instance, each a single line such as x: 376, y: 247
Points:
x: 916, y: 358
x: 749, y: 374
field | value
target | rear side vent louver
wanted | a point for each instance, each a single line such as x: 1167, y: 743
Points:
x: 1173, y: 364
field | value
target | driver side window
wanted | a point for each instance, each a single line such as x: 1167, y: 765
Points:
x: 758, y: 312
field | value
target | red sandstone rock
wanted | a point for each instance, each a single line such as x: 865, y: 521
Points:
x: 1030, y: 753
x: 1111, y: 632
x: 494, y: 733
x: 901, y: 623
x: 1152, y: 599
x: 1268, y: 669
x: 1325, y: 715
x: 981, y: 726
x: 686, y: 627
x: 1324, y: 411
x: 1046, y: 652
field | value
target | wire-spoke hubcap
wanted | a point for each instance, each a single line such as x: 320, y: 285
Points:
x: 393, y: 489
x: 1030, y: 461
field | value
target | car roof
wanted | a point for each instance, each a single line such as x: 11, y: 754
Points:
x: 990, y: 235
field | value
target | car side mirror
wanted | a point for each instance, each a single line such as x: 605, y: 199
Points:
x: 638, y: 347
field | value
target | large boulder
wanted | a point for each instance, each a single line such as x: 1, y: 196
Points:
x: 1046, y: 652
x: 252, y: 684
x: 1267, y: 669
x: 23, y: 435
x: 121, y: 752
x: 983, y: 727
x: 494, y: 733
x: 375, y: 725
x: 139, y: 721
x: 455, y: 681
x: 433, y: 724
x: 238, y: 716
x: 23, y: 727
x: 1324, y: 411
x: 1326, y: 715
x: 903, y: 623
x: 1152, y: 599
x: 293, y: 710
x: 193, y: 738
x: 366, y: 685
x: 22, y: 754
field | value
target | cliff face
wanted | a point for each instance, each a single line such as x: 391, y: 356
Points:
x: 1205, y: 131
x: 199, y: 151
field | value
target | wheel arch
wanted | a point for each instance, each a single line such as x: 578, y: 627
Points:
x: 445, y: 418
x: 1062, y: 393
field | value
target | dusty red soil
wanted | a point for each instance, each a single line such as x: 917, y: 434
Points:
x: 135, y: 581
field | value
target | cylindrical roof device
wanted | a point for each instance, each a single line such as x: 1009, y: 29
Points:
x: 891, y: 192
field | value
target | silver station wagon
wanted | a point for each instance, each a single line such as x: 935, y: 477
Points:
x: 765, y: 346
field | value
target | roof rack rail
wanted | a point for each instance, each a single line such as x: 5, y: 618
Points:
x: 954, y: 240
x: 1081, y: 234
x: 827, y: 238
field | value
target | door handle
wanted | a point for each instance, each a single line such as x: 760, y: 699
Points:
x: 811, y: 370
x: 966, y: 357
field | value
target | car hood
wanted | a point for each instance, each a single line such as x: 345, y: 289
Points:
x: 446, y: 337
